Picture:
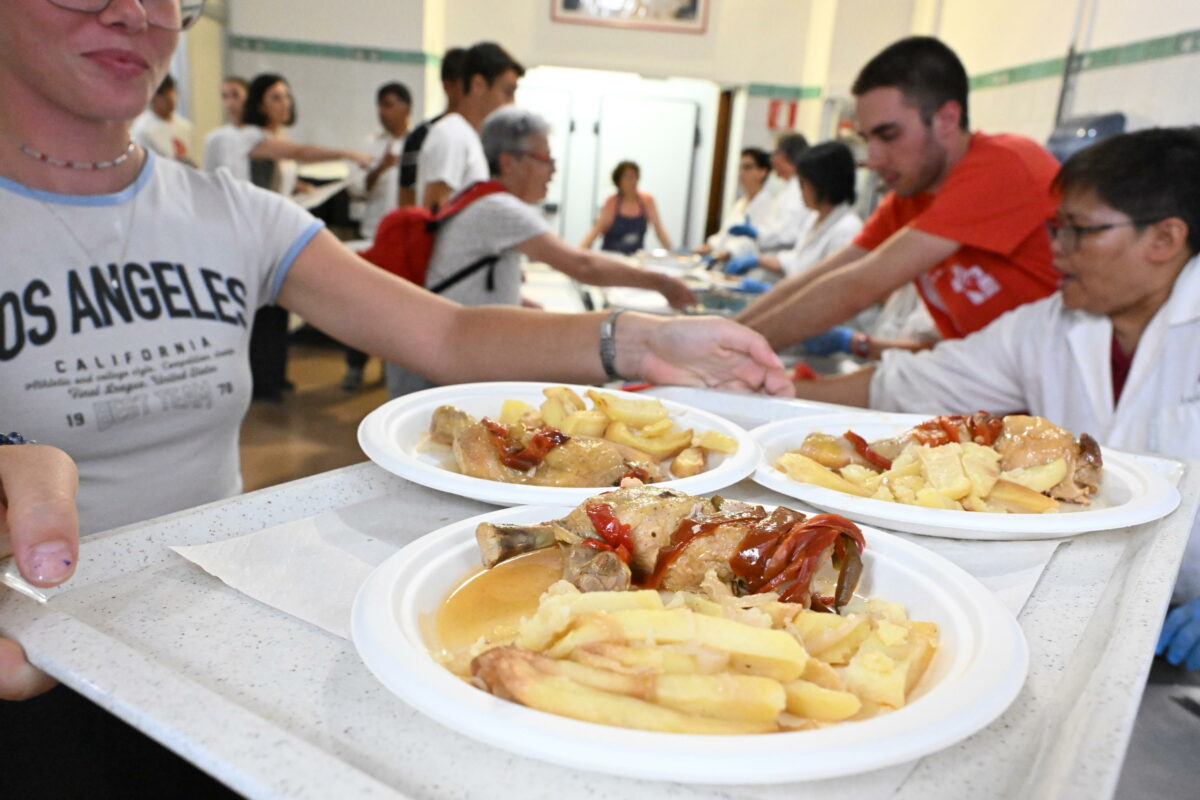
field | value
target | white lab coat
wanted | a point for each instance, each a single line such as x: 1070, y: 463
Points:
x: 742, y: 211
x: 787, y: 216
x: 818, y: 242
x: 1055, y: 363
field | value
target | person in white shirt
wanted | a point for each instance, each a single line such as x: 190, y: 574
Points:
x: 754, y: 203
x: 380, y: 183
x: 1112, y: 352
x: 786, y: 216
x: 826, y: 177
x: 221, y: 147
x: 452, y: 158
x: 160, y: 129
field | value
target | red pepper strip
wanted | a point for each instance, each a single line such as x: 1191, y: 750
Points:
x: 614, y: 532
x: 952, y: 426
x: 864, y: 450
x: 513, y: 454
x: 635, y: 472
x: 770, y: 557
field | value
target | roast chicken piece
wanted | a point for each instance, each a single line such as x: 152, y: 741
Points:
x: 661, y: 538
x: 575, y: 461
x: 1033, y: 441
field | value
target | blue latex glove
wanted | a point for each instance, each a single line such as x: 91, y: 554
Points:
x: 740, y: 265
x: 745, y: 229
x: 834, y: 340
x: 1180, y: 637
x: 752, y: 286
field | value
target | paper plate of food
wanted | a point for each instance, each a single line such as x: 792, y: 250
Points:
x: 653, y: 634
x: 977, y: 476
x: 519, y: 443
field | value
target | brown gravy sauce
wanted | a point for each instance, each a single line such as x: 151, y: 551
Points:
x: 490, y: 603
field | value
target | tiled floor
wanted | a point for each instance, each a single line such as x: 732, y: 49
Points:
x: 314, y: 428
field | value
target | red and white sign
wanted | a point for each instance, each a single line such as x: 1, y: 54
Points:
x: 781, y: 114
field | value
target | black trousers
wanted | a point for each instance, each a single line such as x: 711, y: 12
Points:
x: 268, y: 350
x: 61, y: 745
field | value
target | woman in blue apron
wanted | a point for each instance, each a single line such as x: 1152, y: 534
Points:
x: 626, y: 215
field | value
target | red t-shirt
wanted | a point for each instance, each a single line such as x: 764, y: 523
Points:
x: 994, y: 203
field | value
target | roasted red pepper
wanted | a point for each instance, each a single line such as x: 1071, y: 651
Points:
x: 864, y: 450
x: 782, y: 554
x: 514, y: 454
x: 616, y: 534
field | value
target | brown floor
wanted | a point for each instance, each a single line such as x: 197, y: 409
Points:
x: 315, y: 428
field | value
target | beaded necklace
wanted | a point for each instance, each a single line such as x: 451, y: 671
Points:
x: 88, y: 165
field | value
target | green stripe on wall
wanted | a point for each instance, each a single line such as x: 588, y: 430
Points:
x: 339, y: 51
x: 775, y: 92
x: 1179, y: 44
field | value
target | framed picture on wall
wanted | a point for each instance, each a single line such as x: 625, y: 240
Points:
x: 681, y: 16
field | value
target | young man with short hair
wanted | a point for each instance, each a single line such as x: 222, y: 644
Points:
x: 452, y: 158
x: 453, y: 63
x: 964, y: 218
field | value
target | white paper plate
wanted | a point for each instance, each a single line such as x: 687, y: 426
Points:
x: 976, y: 673
x: 1130, y: 492
x: 390, y: 435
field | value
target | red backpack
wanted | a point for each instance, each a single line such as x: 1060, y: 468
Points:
x: 404, y: 239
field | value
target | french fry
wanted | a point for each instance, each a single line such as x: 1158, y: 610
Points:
x: 556, y: 612
x: 982, y: 465
x: 518, y: 675
x: 809, y: 700
x: 654, y: 659
x: 718, y: 442
x: 830, y: 637
x: 1041, y: 478
x: 513, y: 410
x: 735, y: 697
x: 756, y: 651
x: 806, y: 470
x: 584, y: 423
x: 641, y: 626
x: 689, y: 462
x: 660, y: 428
x: 1011, y: 496
x: 657, y: 447
x: 636, y: 412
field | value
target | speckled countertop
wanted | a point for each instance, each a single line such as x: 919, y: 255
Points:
x: 276, y: 707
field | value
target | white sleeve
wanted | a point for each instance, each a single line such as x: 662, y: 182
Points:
x: 443, y: 158
x: 982, y: 372
x: 783, y: 227
x: 275, y: 231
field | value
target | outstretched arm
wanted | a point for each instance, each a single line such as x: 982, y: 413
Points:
x: 596, y: 269
x: 40, y: 526
x: 374, y: 311
x: 842, y: 291
x: 275, y: 148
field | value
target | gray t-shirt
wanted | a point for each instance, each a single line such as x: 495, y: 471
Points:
x: 492, y: 225
x: 126, y: 327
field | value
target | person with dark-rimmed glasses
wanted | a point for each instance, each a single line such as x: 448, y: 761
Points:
x: 1114, y: 352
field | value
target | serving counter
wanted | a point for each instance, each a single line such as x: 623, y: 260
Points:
x: 277, y: 707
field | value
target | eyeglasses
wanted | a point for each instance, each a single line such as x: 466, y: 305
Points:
x: 171, y: 15
x: 1068, y: 236
x: 542, y: 157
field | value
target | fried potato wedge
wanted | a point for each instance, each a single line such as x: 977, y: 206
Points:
x: 805, y: 699
x: 538, y: 682
x: 804, y: 469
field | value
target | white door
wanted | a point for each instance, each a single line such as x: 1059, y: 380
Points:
x: 660, y: 135
x: 554, y: 106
